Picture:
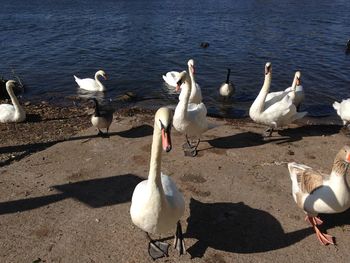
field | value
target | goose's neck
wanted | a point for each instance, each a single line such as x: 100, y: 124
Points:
x: 97, y: 109
x: 340, y: 167
x: 14, y: 99
x: 260, y: 99
x: 154, y: 178
x: 97, y: 80
x: 228, y: 76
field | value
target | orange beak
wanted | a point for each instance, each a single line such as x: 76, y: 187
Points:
x: 347, y: 159
x: 177, y: 88
x: 193, y: 70
x: 166, y: 141
x: 105, y: 77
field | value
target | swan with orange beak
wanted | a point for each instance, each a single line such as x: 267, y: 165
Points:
x: 157, y: 205
x: 316, y: 193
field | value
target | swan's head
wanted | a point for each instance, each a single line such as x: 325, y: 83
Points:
x: 181, y: 79
x: 190, y: 64
x: 10, y: 84
x: 298, y: 78
x: 102, y: 73
x: 268, y: 68
x: 163, y: 120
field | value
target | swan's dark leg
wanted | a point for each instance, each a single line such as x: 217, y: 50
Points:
x: 99, y: 132
x: 179, y: 242
x: 268, y: 132
x: 157, y: 249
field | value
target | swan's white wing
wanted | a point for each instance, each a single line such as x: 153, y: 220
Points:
x: 274, y: 97
x: 87, y: 83
x: 7, y: 112
x: 171, y: 77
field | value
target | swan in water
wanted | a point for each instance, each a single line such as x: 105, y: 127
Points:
x: 343, y: 110
x: 157, y: 205
x: 227, y: 88
x: 321, y: 193
x: 189, y: 119
x: 196, y: 93
x: 296, y: 90
x: 11, y: 113
x: 92, y: 84
x: 278, y: 114
x: 101, y: 119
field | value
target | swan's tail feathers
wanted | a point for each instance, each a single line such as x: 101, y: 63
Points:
x: 76, y: 78
x: 300, y: 115
x: 164, y: 78
x: 336, y: 106
x: 213, y: 125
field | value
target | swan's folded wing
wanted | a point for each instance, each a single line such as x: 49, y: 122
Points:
x: 6, y: 112
x: 280, y: 108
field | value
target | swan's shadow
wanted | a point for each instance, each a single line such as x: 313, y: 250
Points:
x: 251, y: 139
x: 238, y: 228
x: 95, y: 193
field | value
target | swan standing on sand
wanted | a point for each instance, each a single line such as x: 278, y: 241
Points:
x: 278, y: 114
x: 196, y: 93
x: 296, y: 91
x: 227, y: 89
x: 343, y: 110
x: 92, y: 84
x: 11, y: 113
x: 321, y: 193
x: 189, y: 119
x: 157, y: 205
x: 101, y: 119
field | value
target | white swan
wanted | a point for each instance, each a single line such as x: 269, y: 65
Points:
x: 295, y: 90
x: 189, y: 119
x: 321, y: 193
x: 101, y: 119
x: 278, y: 114
x: 227, y: 89
x: 92, y: 84
x: 343, y: 110
x: 171, y: 77
x: 157, y: 205
x: 11, y: 113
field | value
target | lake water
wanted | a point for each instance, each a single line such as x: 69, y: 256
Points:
x: 135, y: 42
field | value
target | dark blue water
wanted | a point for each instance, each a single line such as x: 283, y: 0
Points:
x: 135, y: 42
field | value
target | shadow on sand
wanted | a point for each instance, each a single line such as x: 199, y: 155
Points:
x: 238, y: 228
x: 250, y: 139
x: 94, y: 193
x: 26, y: 149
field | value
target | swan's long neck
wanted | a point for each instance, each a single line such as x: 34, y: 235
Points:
x: 259, y: 102
x: 183, y: 104
x: 14, y: 99
x: 193, y: 81
x: 97, y: 80
x: 154, y: 178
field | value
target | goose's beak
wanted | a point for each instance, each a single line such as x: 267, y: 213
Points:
x: 166, y: 140
x: 347, y: 158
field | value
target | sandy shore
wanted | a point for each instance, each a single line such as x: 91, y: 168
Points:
x: 66, y: 197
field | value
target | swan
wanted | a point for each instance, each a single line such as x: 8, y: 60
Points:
x: 321, y: 193
x: 227, y: 88
x: 92, y: 84
x: 157, y: 205
x: 278, y: 114
x: 189, y: 119
x: 101, y: 119
x: 295, y: 90
x: 343, y: 110
x: 8, y: 112
x: 171, y: 77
